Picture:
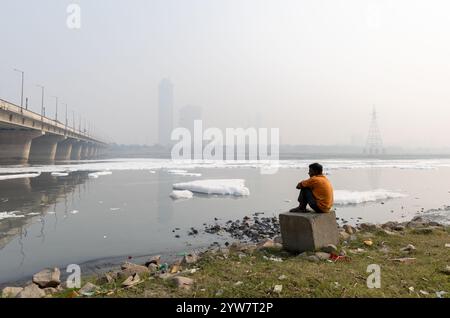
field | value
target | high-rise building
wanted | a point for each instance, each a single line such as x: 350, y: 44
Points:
x: 189, y: 114
x: 165, y: 114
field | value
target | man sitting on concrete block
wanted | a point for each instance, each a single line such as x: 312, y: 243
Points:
x: 316, y: 192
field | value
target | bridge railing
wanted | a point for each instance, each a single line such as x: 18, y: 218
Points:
x: 7, y: 106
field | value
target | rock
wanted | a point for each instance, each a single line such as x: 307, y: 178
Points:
x: 348, y: 229
x: 425, y: 230
x: 312, y: 258
x: 330, y: 248
x: 88, y: 289
x: 131, y: 281
x: 308, y: 231
x: 130, y: 269
x: 399, y: 228
x: 266, y: 244
x: 50, y: 291
x: 389, y: 225
x: 368, y: 227
x: 153, y: 268
x: 191, y: 258
x: 446, y: 270
x: 11, y: 292
x: 48, y: 278
x: 154, y: 260
x: 278, y: 289
x: 408, y: 248
x: 323, y: 256
x: 342, y: 253
x: 388, y: 232
x: 344, y: 235
x: 224, y: 251
x: 107, y: 278
x: 182, y: 282
x: 31, y: 291
x: 278, y: 239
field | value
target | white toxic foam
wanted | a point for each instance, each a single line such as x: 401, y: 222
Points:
x: 95, y: 175
x: 60, y: 174
x: 346, y: 197
x: 181, y: 194
x: 215, y: 186
x: 10, y: 215
x: 184, y: 173
x: 19, y: 176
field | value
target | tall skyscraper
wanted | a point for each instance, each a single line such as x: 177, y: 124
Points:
x: 188, y: 114
x: 165, y: 114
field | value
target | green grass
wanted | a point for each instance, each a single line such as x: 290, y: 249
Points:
x: 305, y: 278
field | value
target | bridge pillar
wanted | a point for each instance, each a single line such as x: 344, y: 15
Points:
x: 64, y: 150
x: 85, y: 151
x: 76, y: 150
x: 43, y: 149
x: 15, y: 145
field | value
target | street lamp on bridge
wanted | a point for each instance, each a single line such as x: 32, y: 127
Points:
x: 42, y: 104
x: 23, y: 78
x: 56, y: 109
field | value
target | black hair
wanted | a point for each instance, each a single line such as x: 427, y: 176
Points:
x: 316, y: 167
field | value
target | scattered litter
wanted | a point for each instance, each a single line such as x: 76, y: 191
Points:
x: 447, y: 244
x: 439, y: 294
x: 424, y: 292
x: 239, y: 283
x: 278, y: 288
x: 282, y: 277
x: 368, y: 242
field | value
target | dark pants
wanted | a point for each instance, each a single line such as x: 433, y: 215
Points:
x: 306, y: 197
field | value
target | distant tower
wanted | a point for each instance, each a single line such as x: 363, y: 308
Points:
x: 374, y: 144
x: 165, y: 115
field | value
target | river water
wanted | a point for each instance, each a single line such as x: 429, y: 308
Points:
x: 53, y: 219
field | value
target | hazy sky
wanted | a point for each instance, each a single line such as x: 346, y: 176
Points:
x: 314, y: 69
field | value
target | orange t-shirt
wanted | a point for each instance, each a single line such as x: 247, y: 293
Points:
x: 322, y: 191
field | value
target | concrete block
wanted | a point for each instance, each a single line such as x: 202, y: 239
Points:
x: 302, y: 232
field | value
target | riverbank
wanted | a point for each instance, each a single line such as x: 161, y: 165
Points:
x: 413, y: 258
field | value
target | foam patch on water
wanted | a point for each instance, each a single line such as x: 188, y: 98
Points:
x: 215, y: 186
x: 60, y: 174
x: 95, y: 175
x: 184, y: 173
x: 346, y: 197
x: 10, y: 215
x: 185, y: 165
x: 19, y: 176
x: 181, y: 194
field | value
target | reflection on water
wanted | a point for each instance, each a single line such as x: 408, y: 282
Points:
x: 35, y: 196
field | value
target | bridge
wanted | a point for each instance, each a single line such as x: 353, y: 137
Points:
x: 26, y: 136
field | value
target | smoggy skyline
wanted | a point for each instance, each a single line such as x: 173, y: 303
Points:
x: 313, y: 69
